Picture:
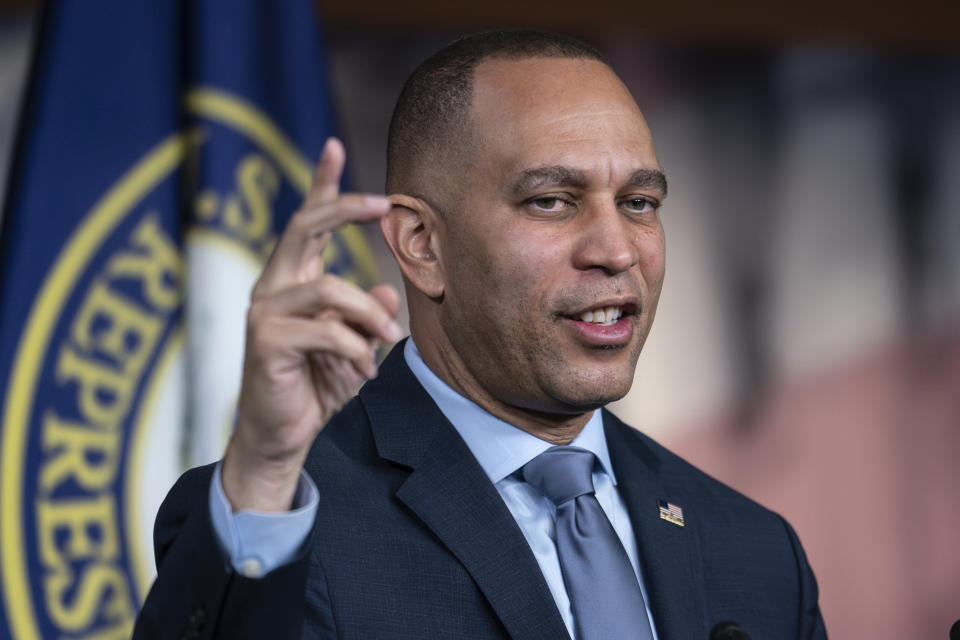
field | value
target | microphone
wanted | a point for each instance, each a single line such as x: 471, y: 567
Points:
x: 955, y: 631
x: 727, y: 630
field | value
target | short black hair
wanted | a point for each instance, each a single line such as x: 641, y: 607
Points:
x: 433, y: 109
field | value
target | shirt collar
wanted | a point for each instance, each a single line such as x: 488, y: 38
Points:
x: 498, y: 446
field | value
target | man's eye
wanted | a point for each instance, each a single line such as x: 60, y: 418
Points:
x: 548, y: 203
x: 640, y: 205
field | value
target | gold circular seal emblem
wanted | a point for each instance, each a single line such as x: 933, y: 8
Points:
x: 119, y: 383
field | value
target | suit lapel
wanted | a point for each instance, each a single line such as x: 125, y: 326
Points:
x: 670, y: 556
x: 448, y: 490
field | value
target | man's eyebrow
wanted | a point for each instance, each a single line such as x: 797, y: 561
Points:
x: 649, y: 179
x: 558, y: 175
x: 553, y: 175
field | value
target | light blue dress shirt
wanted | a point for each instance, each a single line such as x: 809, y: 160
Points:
x: 251, y: 539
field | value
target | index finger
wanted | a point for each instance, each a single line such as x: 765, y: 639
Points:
x: 326, y: 178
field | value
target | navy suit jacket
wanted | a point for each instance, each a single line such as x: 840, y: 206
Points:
x: 412, y: 540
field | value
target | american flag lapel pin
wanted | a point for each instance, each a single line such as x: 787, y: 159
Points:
x: 670, y: 512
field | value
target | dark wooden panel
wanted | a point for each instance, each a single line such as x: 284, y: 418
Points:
x: 915, y: 23
x: 918, y: 22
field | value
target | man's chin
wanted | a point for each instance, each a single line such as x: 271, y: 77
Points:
x: 586, y: 397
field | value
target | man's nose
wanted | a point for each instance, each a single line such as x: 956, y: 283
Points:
x: 607, y: 240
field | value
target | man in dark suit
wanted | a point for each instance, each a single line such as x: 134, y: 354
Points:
x: 475, y: 488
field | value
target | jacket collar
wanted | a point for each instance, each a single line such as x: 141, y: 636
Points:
x: 670, y: 555
x: 449, y: 491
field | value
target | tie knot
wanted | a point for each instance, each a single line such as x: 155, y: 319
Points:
x: 561, y: 473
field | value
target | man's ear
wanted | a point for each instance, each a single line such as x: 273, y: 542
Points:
x: 411, y: 231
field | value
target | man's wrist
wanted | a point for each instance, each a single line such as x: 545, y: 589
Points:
x: 251, y: 482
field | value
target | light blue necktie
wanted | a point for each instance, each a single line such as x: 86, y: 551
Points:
x: 604, y: 593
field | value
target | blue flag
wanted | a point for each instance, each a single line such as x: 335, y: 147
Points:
x: 163, y: 146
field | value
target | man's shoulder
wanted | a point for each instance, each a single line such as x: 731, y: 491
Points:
x: 744, y: 553
x: 711, y: 497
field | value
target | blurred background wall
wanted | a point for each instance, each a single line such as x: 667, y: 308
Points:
x: 807, y: 347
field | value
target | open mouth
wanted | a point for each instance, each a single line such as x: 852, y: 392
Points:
x: 606, y: 316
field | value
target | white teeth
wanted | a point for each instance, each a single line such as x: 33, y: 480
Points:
x: 605, y: 316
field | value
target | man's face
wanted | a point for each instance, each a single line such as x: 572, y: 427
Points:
x: 557, y: 222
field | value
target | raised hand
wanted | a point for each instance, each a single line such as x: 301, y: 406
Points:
x: 311, y: 340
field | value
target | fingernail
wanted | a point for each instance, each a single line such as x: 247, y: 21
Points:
x: 378, y: 202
